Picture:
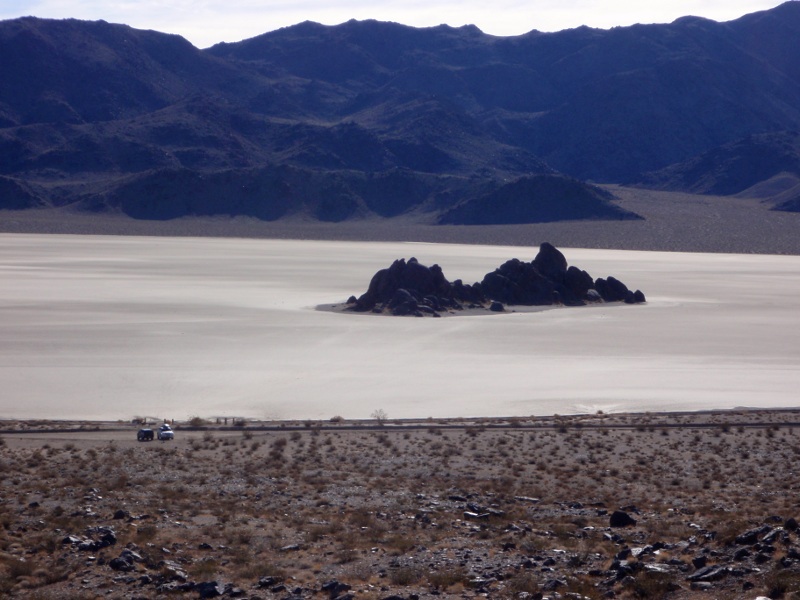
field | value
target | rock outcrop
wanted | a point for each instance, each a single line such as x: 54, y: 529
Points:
x: 410, y: 288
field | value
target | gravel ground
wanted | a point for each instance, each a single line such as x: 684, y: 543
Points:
x: 672, y: 222
x: 693, y: 505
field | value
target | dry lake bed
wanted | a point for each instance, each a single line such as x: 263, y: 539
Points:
x: 114, y: 327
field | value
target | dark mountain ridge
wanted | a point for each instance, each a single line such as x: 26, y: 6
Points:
x: 370, y: 118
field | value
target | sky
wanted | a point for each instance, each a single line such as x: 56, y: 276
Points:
x: 206, y: 22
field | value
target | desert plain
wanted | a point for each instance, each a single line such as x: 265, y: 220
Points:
x: 677, y: 505
x: 600, y: 452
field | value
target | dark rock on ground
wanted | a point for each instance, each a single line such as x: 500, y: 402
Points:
x: 751, y: 536
x: 620, y: 518
x: 209, y: 589
x: 710, y: 573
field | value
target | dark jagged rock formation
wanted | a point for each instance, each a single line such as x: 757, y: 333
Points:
x: 410, y: 288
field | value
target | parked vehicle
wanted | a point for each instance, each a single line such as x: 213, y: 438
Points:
x: 165, y: 432
x: 145, y: 435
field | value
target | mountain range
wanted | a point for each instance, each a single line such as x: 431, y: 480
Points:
x: 373, y: 119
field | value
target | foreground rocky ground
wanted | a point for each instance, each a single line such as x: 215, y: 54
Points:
x: 699, y: 505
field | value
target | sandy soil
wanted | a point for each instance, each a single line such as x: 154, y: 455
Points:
x: 500, y: 508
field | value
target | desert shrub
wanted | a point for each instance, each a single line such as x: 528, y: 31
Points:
x: 146, y: 533
x: 400, y: 543
x: 360, y: 571
x: 18, y: 567
x: 448, y: 577
x: 654, y: 585
x: 204, y: 569
x: 405, y: 575
x: 197, y: 422
x: 346, y: 555
x: 523, y: 582
x: 780, y: 583
x: 380, y: 416
x: 729, y: 529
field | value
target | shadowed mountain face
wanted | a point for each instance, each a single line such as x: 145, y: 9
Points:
x: 760, y: 166
x: 370, y: 118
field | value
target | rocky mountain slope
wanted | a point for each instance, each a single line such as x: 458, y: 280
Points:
x: 371, y: 119
x: 759, y: 166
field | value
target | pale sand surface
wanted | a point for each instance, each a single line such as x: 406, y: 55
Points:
x: 97, y: 327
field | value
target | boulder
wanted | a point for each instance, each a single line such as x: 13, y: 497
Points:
x: 209, y: 589
x: 578, y: 283
x: 750, y: 537
x: 550, y: 262
x: 518, y: 282
x: 335, y: 588
x: 611, y: 289
x: 120, y: 564
x: 412, y: 276
x: 619, y: 518
x: 403, y: 303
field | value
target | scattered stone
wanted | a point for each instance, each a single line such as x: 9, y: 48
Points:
x: 120, y: 564
x: 473, y: 516
x: 173, y: 570
x: 698, y: 562
x: 335, y: 588
x: 527, y: 499
x: 750, y: 537
x: 741, y: 554
x: 710, y: 573
x: 268, y: 581
x: 209, y: 589
x: 701, y: 586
